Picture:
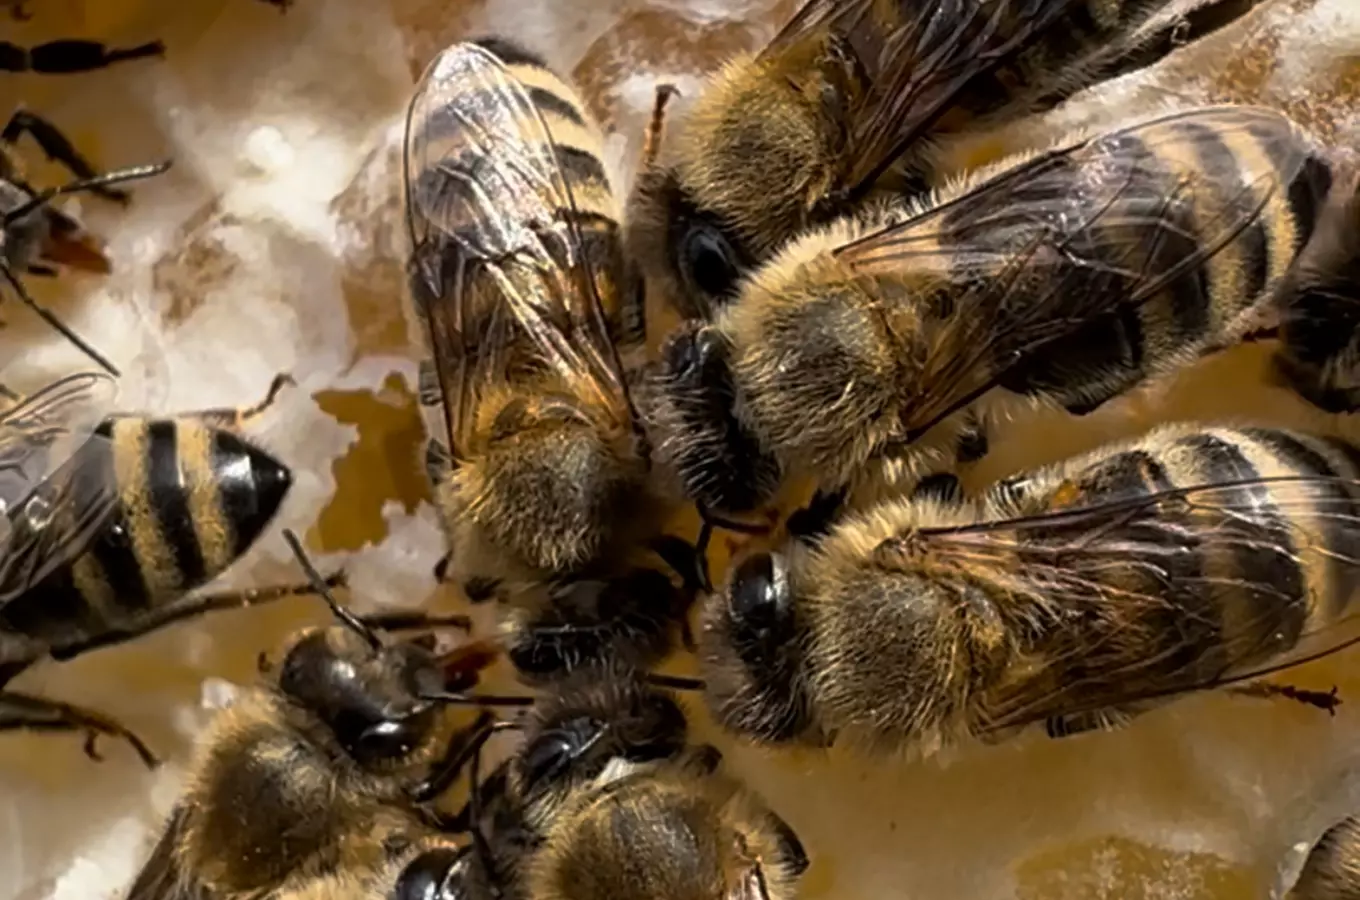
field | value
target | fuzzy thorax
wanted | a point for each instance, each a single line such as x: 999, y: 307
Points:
x: 902, y: 647
x: 825, y: 360
x: 760, y: 148
x: 550, y: 495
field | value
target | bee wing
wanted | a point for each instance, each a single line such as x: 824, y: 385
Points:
x: 916, y: 65
x: 1076, y: 234
x: 1167, y: 551
x: 491, y: 217
x: 53, y: 481
x: 162, y: 877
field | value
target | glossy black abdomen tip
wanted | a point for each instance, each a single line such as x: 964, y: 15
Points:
x: 252, y: 484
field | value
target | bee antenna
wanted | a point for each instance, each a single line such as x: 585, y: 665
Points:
x: 460, y: 699
x: 675, y: 682
x: 347, y: 618
x: 47, y: 195
x: 52, y: 320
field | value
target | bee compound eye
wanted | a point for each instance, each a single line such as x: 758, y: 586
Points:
x: 433, y: 875
x: 758, y: 596
x: 708, y: 260
x: 548, y: 757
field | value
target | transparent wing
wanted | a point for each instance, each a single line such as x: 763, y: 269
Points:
x: 1123, y: 587
x: 1083, y: 232
x: 916, y: 58
x: 498, y: 270
x: 162, y: 877
x: 56, y: 480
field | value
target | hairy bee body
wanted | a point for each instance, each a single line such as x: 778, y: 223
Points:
x: 1065, y: 278
x: 854, y: 99
x: 606, y: 799
x: 533, y: 320
x: 317, y: 780
x: 1076, y: 596
x: 190, y: 500
x: 1332, y: 870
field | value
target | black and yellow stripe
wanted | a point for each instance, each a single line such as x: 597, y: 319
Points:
x: 1237, y: 590
x: 1189, y: 178
x: 191, y: 499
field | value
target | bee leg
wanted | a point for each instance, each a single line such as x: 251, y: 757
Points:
x: 58, y: 148
x: 1328, y: 700
x: 235, y: 418
x: 942, y: 487
x: 815, y: 519
x: 1077, y: 723
x: 24, y: 712
x: 191, y: 608
x: 463, y: 743
x: 413, y: 621
x: 64, y: 57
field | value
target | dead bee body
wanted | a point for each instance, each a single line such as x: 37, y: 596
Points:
x: 1076, y: 596
x: 540, y: 468
x: 35, y: 237
x: 856, y: 97
x: 1332, y: 870
x: 875, y: 348
x: 606, y: 799
x: 113, y: 543
x: 322, y: 773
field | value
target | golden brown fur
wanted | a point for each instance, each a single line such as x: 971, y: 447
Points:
x: 691, y: 837
x: 534, y: 322
x: 913, y: 625
x: 1332, y: 870
x: 1062, y: 278
x: 605, y: 798
x: 852, y: 98
x: 313, y: 775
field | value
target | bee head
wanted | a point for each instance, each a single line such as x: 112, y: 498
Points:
x: 749, y: 644
x: 594, y: 717
x: 754, y: 162
x: 368, y: 696
x: 369, y: 693
x: 720, y: 464
x: 442, y: 873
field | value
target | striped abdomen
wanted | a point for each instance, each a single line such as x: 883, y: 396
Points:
x: 191, y: 500
x: 1085, y: 41
x: 1228, y: 579
x: 1196, y: 218
x: 578, y: 151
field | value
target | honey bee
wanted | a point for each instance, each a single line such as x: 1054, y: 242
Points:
x: 606, y: 798
x: 1332, y: 870
x: 1319, y: 356
x: 323, y: 772
x: 111, y: 544
x: 1077, y: 595
x: 34, y: 235
x: 885, y: 346
x: 540, y: 466
x: 855, y: 98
